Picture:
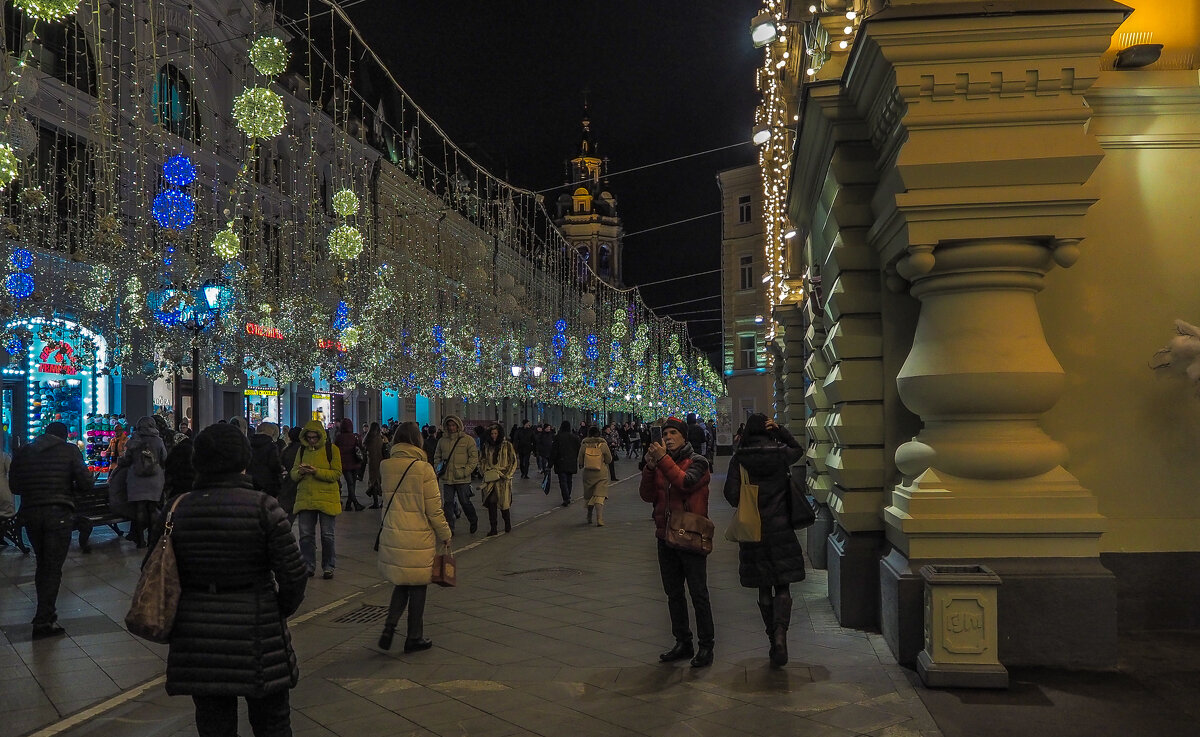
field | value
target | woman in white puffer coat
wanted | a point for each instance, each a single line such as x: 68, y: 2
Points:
x: 412, y: 528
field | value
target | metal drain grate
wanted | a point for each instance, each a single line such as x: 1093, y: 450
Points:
x: 539, y: 574
x: 365, y: 614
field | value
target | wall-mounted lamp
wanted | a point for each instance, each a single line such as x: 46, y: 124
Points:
x: 516, y: 371
x: 1137, y: 56
x: 789, y: 234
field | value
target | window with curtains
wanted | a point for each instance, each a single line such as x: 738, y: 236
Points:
x: 174, y: 106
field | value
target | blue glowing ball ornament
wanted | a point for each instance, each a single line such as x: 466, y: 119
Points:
x: 19, y: 286
x: 21, y: 259
x: 179, y: 171
x: 592, y: 340
x: 560, y: 326
x: 340, y: 375
x: 14, y: 346
x: 174, y: 209
x: 592, y: 352
x: 341, y: 318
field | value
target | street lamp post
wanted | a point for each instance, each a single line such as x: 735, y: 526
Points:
x: 209, y: 301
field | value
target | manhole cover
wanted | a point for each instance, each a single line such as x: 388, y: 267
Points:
x: 544, y: 573
x: 365, y: 614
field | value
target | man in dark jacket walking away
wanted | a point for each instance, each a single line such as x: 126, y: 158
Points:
x: 48, y: 474
x: 265, y: 467
x: 523, y: 440
x: 675, y: 478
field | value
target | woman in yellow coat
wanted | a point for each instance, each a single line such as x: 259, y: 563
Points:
x: 412, y: 527
x: 498, y: 464
x: 317, y: 472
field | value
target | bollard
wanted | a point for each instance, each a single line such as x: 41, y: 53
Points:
x: 961, y: 636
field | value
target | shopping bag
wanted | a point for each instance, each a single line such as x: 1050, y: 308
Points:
x: 746, y: 526
x: 445, y: 572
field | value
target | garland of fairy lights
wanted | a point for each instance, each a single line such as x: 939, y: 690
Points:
x: 391, y: 263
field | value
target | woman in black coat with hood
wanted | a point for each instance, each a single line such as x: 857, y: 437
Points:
x: 767, y: 452
x: 241, y: 577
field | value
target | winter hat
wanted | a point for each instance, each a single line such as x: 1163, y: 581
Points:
x: 57, y: 429
x: 676, y: 423
x: 220, y: 449
x: 270, y: 429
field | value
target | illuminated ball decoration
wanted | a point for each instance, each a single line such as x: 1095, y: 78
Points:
x: 174, y: 209
x: 8, y: 164
x: 96, y: 299
x: 51, y: 10
x: 179, y: 171
x: 20, y: 135
x: 269, y: 55
x: 259, y: 113
x: 21, y: 259
x: 14, y: 346
x: 226, y: 244
x: 345, y: 203
x: 19, y: 285
x: 345, y: 242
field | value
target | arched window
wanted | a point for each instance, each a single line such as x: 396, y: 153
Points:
x: 605, y: 259
x: 174, y: 106
x: 585, y: 259
x: 59, y: 50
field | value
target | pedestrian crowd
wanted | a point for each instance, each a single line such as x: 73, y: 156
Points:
x: 230, y: 498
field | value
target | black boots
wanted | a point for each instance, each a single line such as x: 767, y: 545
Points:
x: 491, y: 519
x: 421, y: 643
x: 782, y: 618
x: 704, y: 657
x: 385, y: 640
x: 507, y: 519
x: 681, y: 651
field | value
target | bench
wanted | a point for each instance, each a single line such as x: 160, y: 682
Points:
x: 93, y: 505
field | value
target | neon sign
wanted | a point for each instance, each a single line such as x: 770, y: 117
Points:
x: 263, y: 331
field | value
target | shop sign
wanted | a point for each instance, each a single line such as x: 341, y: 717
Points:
x: 58, y: 357
x: 326, y: 344
x: 263, y: 331
x: 262, y: 392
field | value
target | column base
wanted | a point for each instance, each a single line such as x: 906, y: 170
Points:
x: 1053, y: 612
x: 853, y: 561
x: 961, y: 675
x: 818, y: 532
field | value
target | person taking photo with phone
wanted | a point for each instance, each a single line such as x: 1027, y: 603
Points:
x: 317, y: 472
x: 675, y: 478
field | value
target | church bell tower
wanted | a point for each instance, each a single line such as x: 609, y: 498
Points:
x: 587, y: 211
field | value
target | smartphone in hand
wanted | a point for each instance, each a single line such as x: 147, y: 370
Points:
x: 655, y: 434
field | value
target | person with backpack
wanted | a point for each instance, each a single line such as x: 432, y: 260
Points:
x: 317, y: 471
x: 595, y: 457
x: 353, y: 455
x: 145, y: 454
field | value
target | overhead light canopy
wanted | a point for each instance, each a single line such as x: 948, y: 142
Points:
x: 763, y: 29
x: 761, y: 134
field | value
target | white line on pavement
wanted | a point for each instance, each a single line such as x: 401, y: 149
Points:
x: 95, y: 711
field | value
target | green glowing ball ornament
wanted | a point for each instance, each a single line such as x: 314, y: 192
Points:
x: 8, y: 164
x: 269, y: 55
x: 345, y: 203
x: 259, y: 113
x: 345, y: 242
x: 48, y: 10
x: 226, y: 244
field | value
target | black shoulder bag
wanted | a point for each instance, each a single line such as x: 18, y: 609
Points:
x: 388, y: 508
x: 441, y: 469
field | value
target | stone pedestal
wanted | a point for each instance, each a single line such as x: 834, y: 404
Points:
x: 960, y: 628
x: 818, y: 534
x: 853, y: 565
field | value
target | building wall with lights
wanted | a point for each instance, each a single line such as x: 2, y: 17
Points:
x: 745, y: 306
x: 936, y: 192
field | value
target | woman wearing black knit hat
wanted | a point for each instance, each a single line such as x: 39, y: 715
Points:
x: 241, y: 576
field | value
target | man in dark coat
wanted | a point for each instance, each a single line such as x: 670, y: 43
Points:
x: 544, y: 443
x: 523, y: 440
x: 48, y: 474
x: 695, y: 435
x: 766, y: 454
x: 675, y: 478
x: 265, y: 467
x: 564, y: 454
x: 241, y: 577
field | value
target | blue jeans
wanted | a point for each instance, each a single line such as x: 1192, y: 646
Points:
x: 308, y: 548
x: 456, y: 496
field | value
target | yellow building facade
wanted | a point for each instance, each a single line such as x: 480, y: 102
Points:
x: 995, y: 236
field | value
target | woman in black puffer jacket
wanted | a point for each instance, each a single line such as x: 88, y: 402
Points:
x: 767, y: 452
x: 241, y: 576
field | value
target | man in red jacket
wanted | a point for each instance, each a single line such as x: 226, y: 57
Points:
x: 675, y: 477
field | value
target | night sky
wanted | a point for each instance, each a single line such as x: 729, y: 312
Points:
x: 507, y: 80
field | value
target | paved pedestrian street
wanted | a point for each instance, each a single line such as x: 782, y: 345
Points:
x: 553, y: 629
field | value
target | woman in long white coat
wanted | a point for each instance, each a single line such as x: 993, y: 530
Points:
x: 412, y: 528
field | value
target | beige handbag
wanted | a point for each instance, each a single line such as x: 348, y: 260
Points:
x: 746, y: 526
x: 156, y: 598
